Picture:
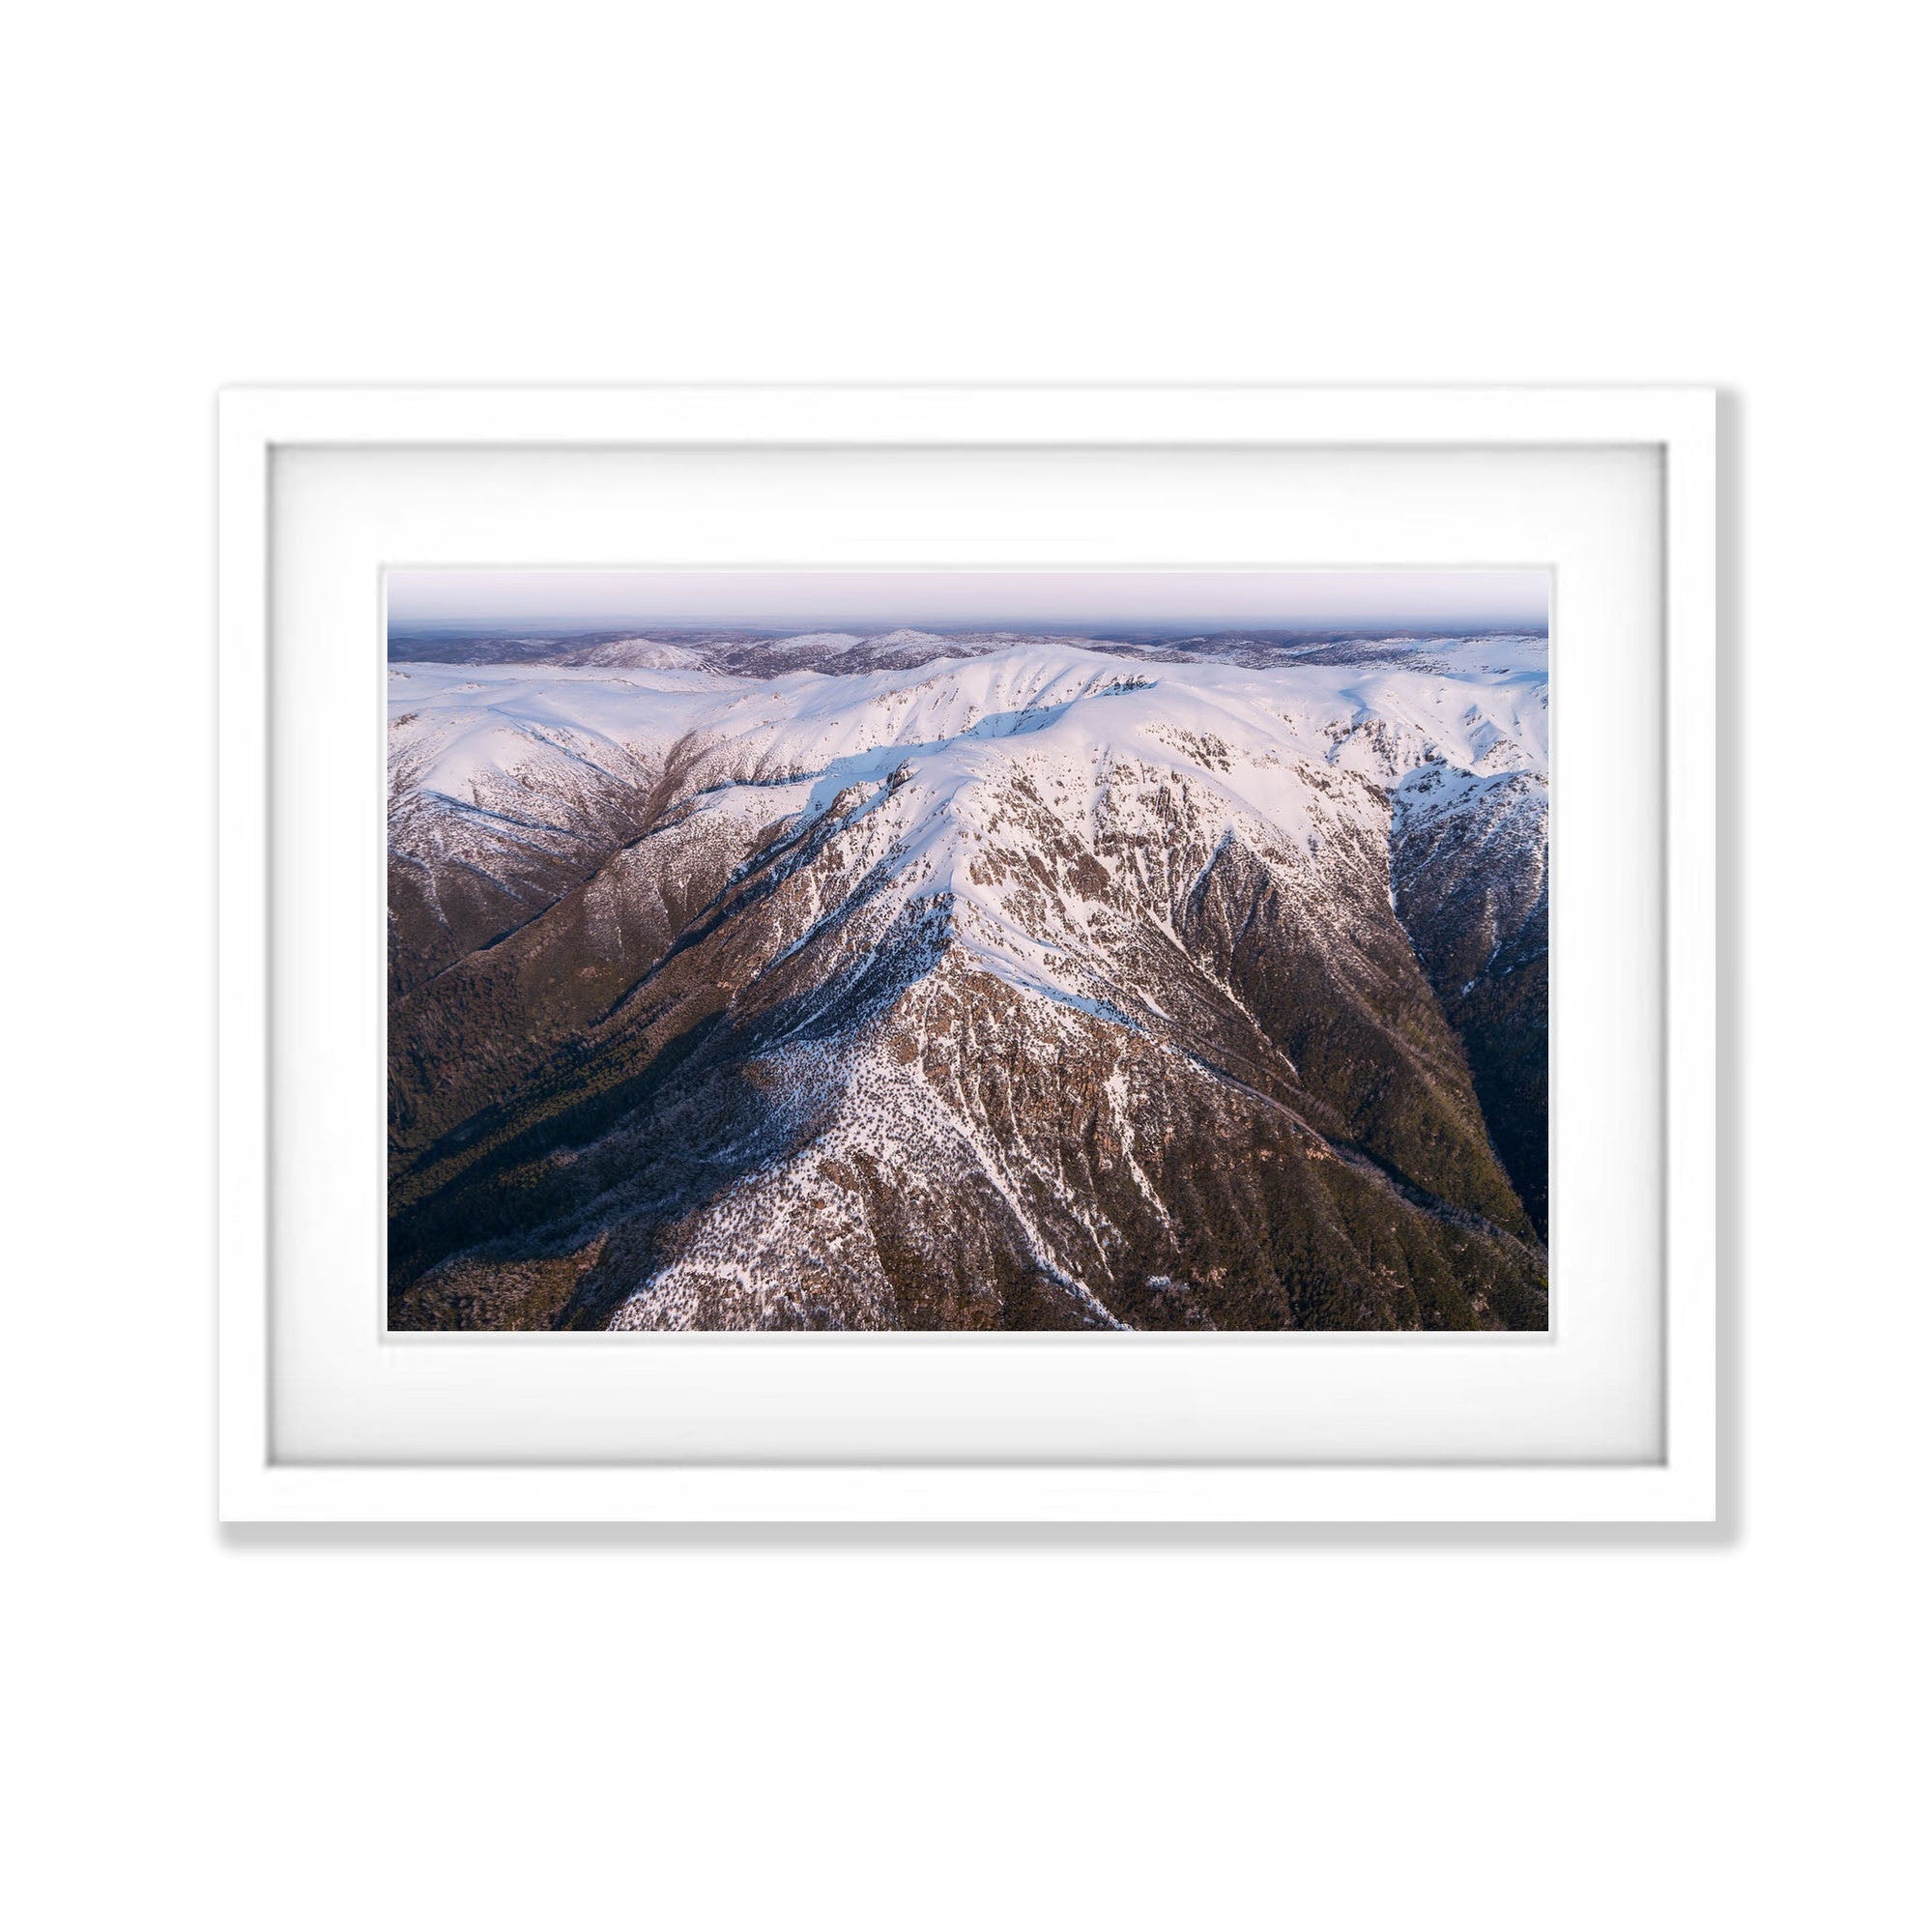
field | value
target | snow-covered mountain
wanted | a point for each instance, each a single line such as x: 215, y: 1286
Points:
x: 1032, y: 983
x: 745, y: 654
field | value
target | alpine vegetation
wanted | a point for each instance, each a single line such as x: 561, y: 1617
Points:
x: 879, y: 978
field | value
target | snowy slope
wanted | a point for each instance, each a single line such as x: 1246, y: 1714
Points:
x: 1156, y: 870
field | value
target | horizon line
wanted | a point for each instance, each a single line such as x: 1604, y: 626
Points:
x: 1499, y: 626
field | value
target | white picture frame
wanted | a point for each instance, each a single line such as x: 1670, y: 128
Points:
x: 1679, y: 1484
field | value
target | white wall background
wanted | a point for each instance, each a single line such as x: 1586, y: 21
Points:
x: 600, y: 1729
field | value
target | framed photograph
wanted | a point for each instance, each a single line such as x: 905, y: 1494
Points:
x: 968, y: 954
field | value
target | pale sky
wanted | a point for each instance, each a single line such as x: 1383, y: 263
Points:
x: 565, y: 600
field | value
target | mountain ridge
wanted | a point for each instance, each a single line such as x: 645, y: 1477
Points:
x: 1179, y: 887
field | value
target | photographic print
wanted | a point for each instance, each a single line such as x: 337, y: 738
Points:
x: 968, y: 951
